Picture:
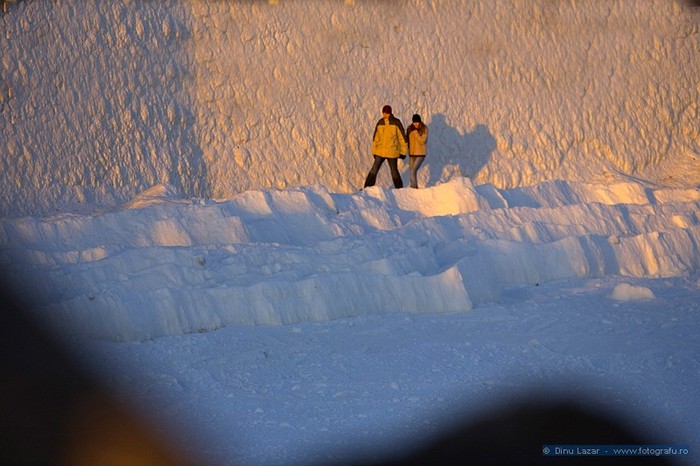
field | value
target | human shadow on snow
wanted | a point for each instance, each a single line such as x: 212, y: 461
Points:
x: 451, y: 153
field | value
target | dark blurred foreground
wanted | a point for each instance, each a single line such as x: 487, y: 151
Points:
x: 52, y: 412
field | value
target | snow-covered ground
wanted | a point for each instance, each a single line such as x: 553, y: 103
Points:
x: 179, y: 199
x: 282, y: 257
x: 310, y: 325
x: 314, y: 392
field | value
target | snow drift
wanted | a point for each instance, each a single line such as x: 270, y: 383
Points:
x: 100, y: 100
x: 279, y: 257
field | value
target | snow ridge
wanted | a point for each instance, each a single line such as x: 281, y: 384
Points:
x: 277, y: 257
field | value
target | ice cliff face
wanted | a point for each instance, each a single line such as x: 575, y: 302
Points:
x: 100, y: 100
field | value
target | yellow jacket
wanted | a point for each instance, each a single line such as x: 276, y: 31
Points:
x: 389, y: 140
x: 418, y: 140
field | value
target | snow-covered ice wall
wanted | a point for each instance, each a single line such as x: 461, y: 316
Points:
x: 100, y: 100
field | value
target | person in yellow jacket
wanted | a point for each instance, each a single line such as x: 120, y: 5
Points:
x: 417, y: 135
x: 388, y: 143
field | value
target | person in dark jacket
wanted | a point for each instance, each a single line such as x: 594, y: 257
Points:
x: 388, y: 143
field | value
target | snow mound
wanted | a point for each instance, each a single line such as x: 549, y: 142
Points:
x: 162, y: 193
x: 169, y: 265
x: 627, y: 292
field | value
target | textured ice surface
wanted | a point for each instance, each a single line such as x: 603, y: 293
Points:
x: 101, y: 100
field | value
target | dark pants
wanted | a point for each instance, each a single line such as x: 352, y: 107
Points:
x: 393, y: 166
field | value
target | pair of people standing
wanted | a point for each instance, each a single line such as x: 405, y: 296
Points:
x: 390, y: 142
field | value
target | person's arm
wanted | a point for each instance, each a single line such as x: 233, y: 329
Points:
x: 374, y: 138
x: 403, y: 140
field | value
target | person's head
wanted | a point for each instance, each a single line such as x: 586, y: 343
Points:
x: 416, y: 120
x: 386, y: 110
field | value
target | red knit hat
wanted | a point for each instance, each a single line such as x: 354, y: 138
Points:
x: 386, y: 109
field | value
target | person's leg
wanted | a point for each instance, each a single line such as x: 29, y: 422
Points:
x: 395, y: 175
x: 414, y: 166
x: 411, y: 165
x: 372, y: 175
